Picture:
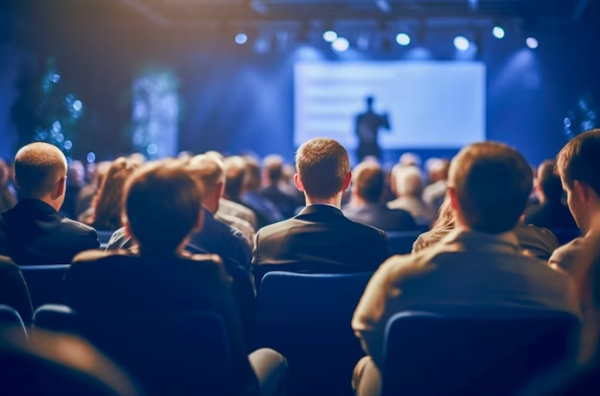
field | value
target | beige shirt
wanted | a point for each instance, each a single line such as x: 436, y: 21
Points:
x: 577, y: 256
x: 419, y: 210
x: 231, y: 208
x: 466, y: 271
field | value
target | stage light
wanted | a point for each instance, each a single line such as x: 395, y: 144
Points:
x: 461, y: 43
x: 241, y: 38
x: 68, y: 145
x: 340, y: 44
x: 330, y: 36
x: 152, y: 149
x: 91, y: 157
x: 77, y: 105
x: 498, y: 32
x: 532, y: 42
x: 403, y: 39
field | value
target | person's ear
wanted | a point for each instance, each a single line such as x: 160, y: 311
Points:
x: 347, y: 181
x: 199, y: 222
x: 581, y: 191
x: 219, y: 190
x: 61, y: 187
x: 298, y: 182
x: 453, y: 199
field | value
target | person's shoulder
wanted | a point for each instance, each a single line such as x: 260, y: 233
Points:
x: 401, y: 268
x: 76, y: 227
x: 95, y: 256
x: 277, y: 228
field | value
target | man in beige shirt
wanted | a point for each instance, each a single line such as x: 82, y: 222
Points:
x: 478, y: 268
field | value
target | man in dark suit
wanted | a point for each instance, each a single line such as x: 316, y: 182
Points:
x: 162, y: 209
x: 551, y: 213
x: 33, y: 232
x: 368, y: 182
x: 320, y: 238
x: 367, y: 128
x: 13, y: 289
x: 273, y: 169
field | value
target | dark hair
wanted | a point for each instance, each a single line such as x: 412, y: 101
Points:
x: 253, y: 179
x: 492, y: 182
x: 368, y: 179
x: 580, y: 160
x: 549, y: 181
x: 162, y: 204
x: 274, y: 167
x: 235, y: 175
x: 322, y: 166
x: 38, y: 167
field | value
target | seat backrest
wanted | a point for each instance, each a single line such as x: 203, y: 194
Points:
x: 168, y: 352
x: 104, y: 237
x: 45, y: 283
x: 10, y: 318
x: 402, y: 242
x: 495, y: 354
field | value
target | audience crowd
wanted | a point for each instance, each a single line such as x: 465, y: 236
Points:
x: 199, y: 232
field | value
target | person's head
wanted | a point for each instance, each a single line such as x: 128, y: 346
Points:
x: 323, y: 170
x: 101, y: 171
x: 368, y: 182
x: 548, y: 186
x: 273, y: 168
x: 41, y: 173
x: 209, y: 171
x: 76, y: 174
x: 235, y: 176
x: 3, y: 173
x: 445, y: 217
x: 437, y: 169
x: 369, y: 100
x: 107, y: 204
x: 253, y: 174
x: 489, y: 185
x: 138, y: 158
x: 578, y: 165
x: 410, y: 159
x: 162, y: 207
x: 409, y: 182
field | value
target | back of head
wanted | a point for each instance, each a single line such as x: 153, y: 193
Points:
x: 549, y: 182
x: 409, y: 182
x: 38, y: 169
x: 273, y: 165
x: 235, y: 176
x: 253, y: 176
x: 76, y: 173
x: 492, y: 183
x: 368, y: 180
x: 208, y: 170
x: 162, y: 206
x: 323, y: 165
x: 410, y: 159
x: 579, y: 160
x: 437, y: 169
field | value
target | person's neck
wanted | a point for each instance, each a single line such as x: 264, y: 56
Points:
x: 333, y: 201
x: 55, y: 205
x: 211, y: 205
x: 593, y: 227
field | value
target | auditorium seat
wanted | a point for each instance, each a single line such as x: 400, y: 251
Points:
x: 45, y: 283
x: 10, y: 318
x: 306, y: 317
x: 402, y: 242
x: 428, y: 354
x: 104, y: 237
x: 167, y: 352
x: 565, y: 236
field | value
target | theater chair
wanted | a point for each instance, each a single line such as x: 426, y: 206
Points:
x: 169, y: 353
x: 45, y: 283
x: 427, y: 354
x: 10, y: 319
x: 402, y: 242
x: 306, y: 317
x: 104, y: 237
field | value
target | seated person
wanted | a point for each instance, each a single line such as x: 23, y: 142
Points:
x: 33, y: 232
x: 478, y: 268
x: 368, y: 183
x: 162, y: 209
x: 551, y: 213
x: 320, y: 238
x: 408, y: 187
x: 274, y: 189
x: 536, y: 241
x: 13, y: 289
x: 252, y: 196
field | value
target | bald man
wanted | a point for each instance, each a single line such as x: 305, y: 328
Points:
x: 33, y: 232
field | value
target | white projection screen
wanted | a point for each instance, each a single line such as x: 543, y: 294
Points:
x: 430, y: 105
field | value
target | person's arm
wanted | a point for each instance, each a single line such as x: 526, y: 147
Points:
x: 14, y: 291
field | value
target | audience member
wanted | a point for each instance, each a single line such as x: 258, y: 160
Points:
x: 7, y: 200
x: 87, y: 193
x: 320, y: 238
x: 578, y: 165
x: 273, y: 190
x: 13, y: 289
x: 107, y: 204
x: 33, y: 232
x: 478, y: 268
x: 535, y: 241
x: 75, y: 182
x: 368, y: 183
x: 434, y: 193
x: 235, y: 174
x: 252, y: 197
x: 409, y: 186
x: 551, y: 213
x: 162, y: 209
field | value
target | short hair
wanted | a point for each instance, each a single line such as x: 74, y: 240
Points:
x: 162, y: 205
x: 579, y: 160
x: 273, y: 165
x: 368, y: 179
x: 38, y: 167
x: 409, y: 181
x: 549, y: 181
x: 253, y: 175
x: 207, y: 170
x: 235, y: 175
x: 492, y: 182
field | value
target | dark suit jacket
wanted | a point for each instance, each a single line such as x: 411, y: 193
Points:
x: 122, y: 281
x: 33, y: 233
x: 13, y: 289
x: 284, y: 202
x: 382, y: 217
x: 319, y: 239
x: 551, y: 215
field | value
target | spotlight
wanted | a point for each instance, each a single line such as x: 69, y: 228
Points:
x: 241, y: 38
x: 498, y: 32
x: 330, y: 36
x: 532, y: 42
x: 340, y: 44
x: 403, y: 39
x: 91, y: 157
x: 68, y: 145
x: 461, y: 43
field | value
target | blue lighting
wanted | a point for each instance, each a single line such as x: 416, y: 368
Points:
x: 461, y: 43
x: 152, y: 149
x: 340, y: 44
x: 532, y: 42
x: 498, y: 32
x: 91, y: 157
x: 68, y: 145
x: 330, y: 36
x: 241, y: 38
x: 403, y: 39
x: 77, y: 105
